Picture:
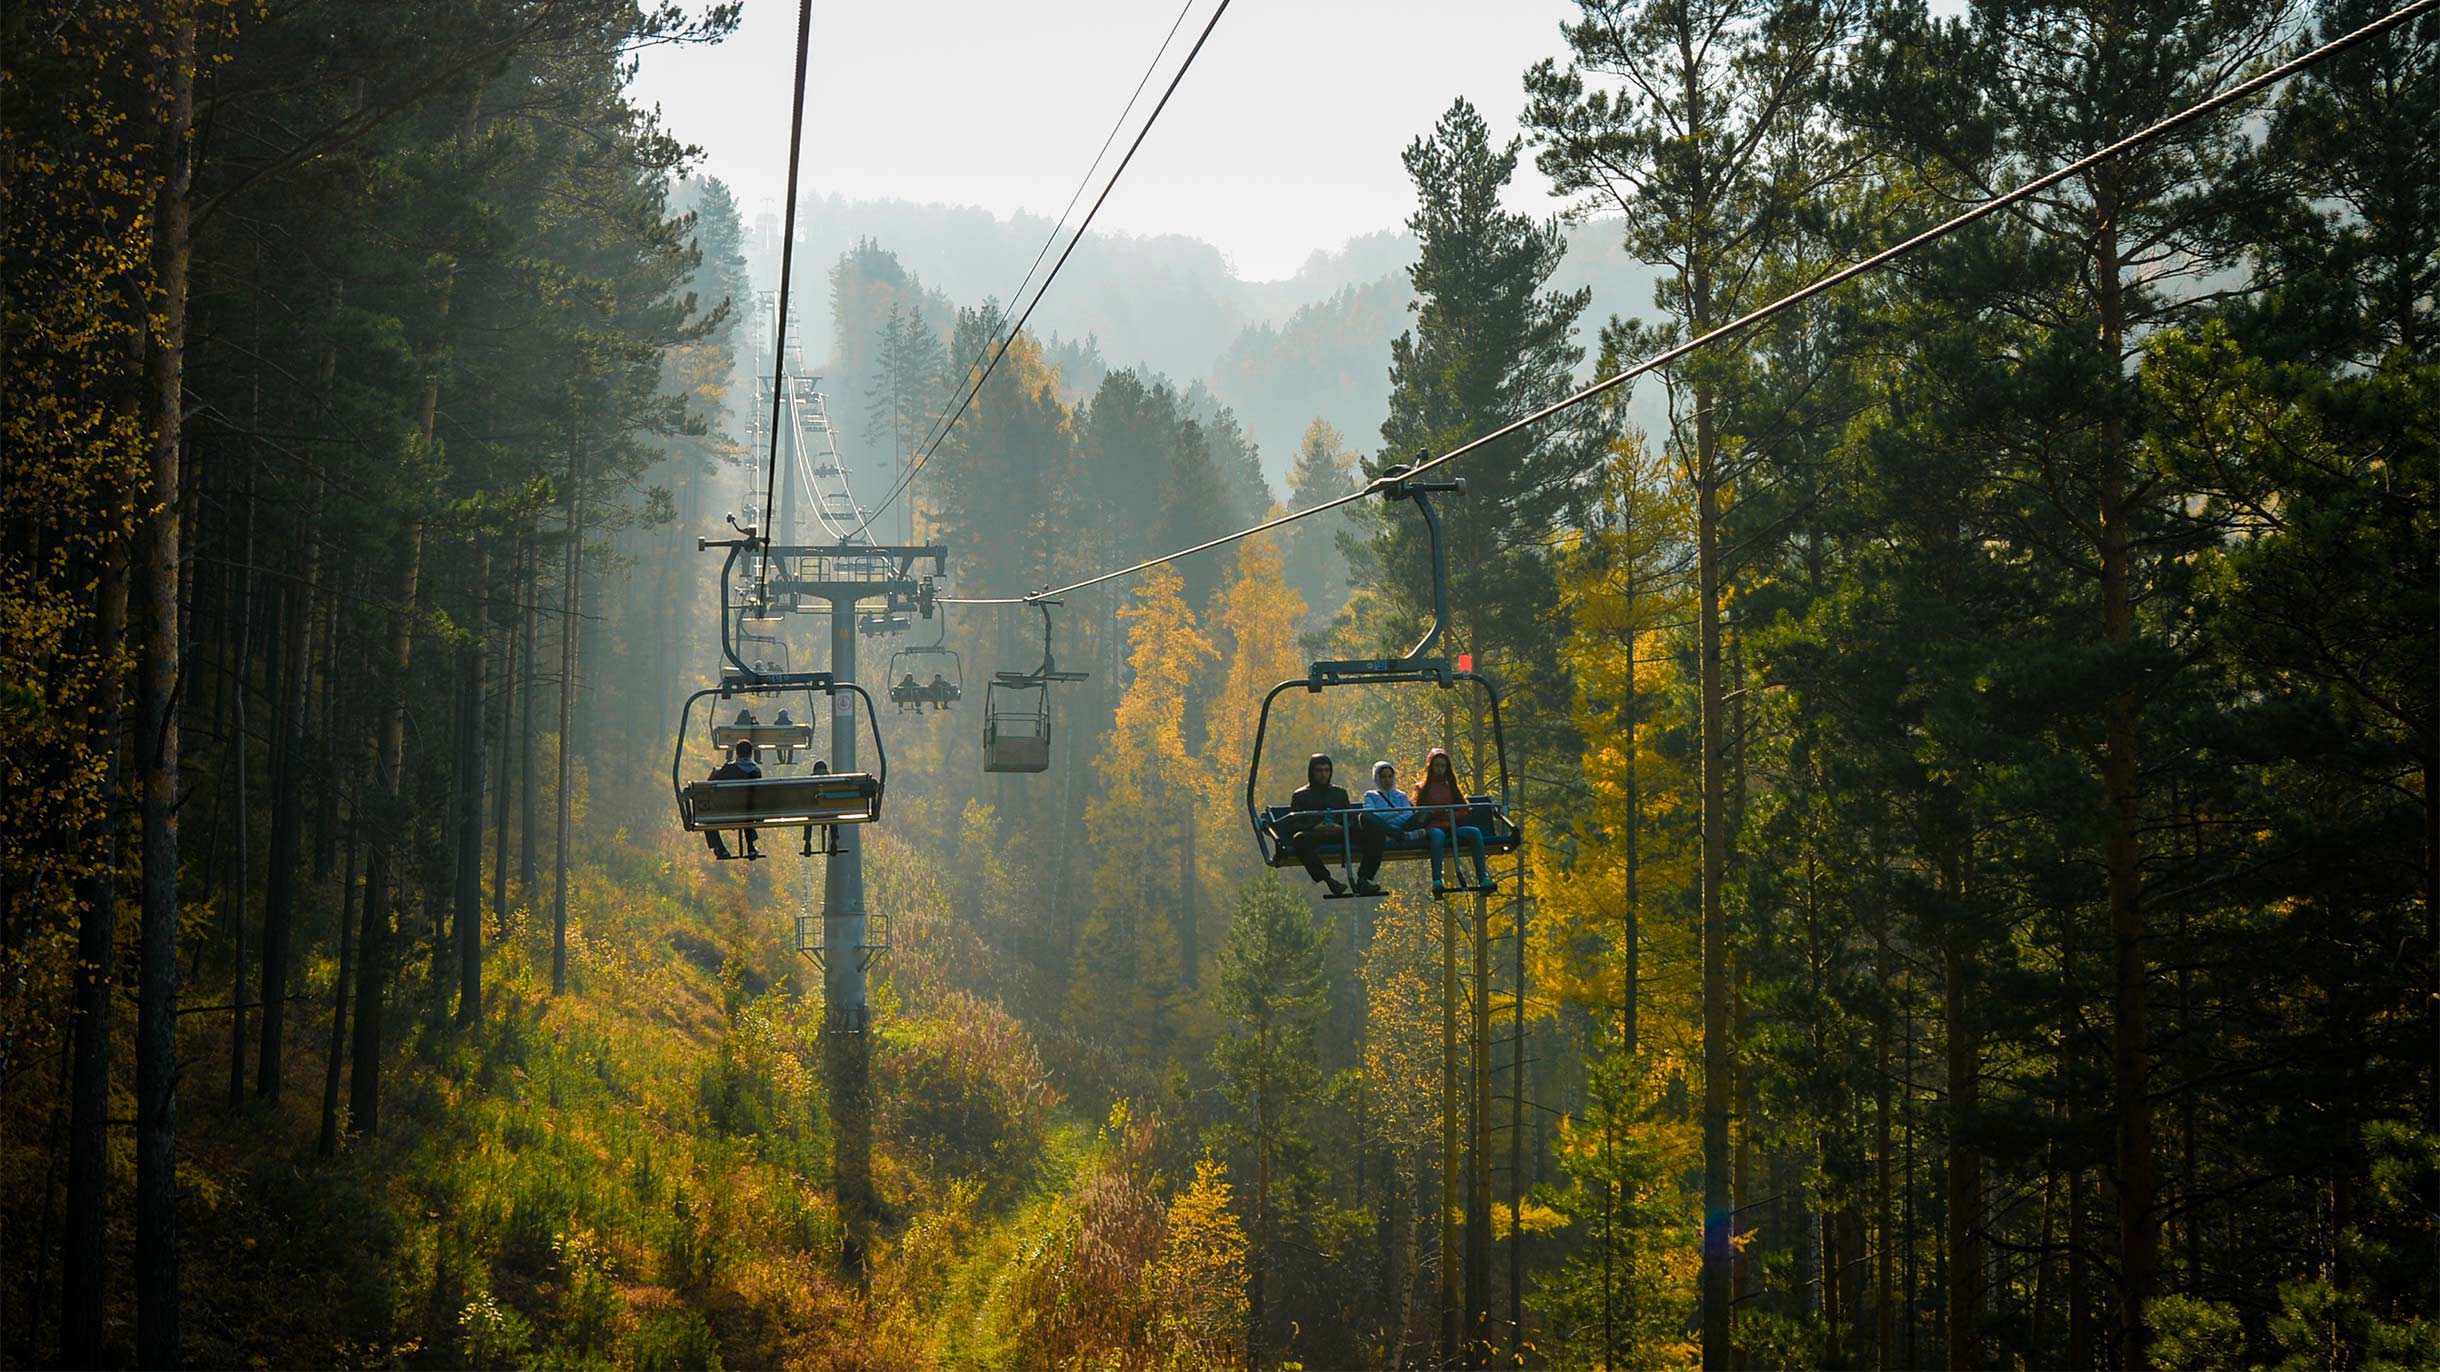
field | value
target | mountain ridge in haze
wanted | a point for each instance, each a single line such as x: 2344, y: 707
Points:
x: 1279, y: 353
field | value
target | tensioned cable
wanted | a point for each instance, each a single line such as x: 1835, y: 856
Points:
x: 2232, y: 95
x: 936, y: 429
x: 1010, y: 339
x: 787, y: 264
x: 805, y: 479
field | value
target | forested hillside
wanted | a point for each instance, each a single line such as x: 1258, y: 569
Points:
x: 1971, y: 740
x: 1279, y: 354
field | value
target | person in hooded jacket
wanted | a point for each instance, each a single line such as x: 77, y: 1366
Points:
x: 741, y: 766
x: 1319, y: 819
x: 1443, y: 804
x: 1389, y: 807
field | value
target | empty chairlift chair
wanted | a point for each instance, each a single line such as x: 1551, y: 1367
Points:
x: 1016, y: 724
x: 1017, y: 710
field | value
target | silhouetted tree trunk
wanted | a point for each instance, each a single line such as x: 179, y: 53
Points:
x: 288, y: 769
x: 531, y: 593
x: 1478, y: 1142
x: 326, y: 782
x: 568, y: 630
x: 245, y: 830
x: 1451, y: 1316
x: 85, y: 1271
x: 2122, y: 854
x: 506, y: 616
x: 337, y: 1061
x: 1965, y: 1268
x: 157, y: 713
x: 1884, y: 1304
x: 372, y: 942
x: 1718, y: 1071
x: 469, y: 929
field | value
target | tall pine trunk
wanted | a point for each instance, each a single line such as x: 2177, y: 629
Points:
x: 156, y: 1268
x: 2130, y: 1050
x: 531, y: 596
x: 1884, y: 1304
x: 568, y: 631
x: 288, y: 768
x: 1451, y: 1317
x: 372, y: 941
x: 1718, y: 1071
x: 245, y: 830
x: 469, y: 902
x: 504, y: 614
x: 336, y: 1063
x: 1478, y: 1140
x: 1965, y: 1274
x: 85, y: 1276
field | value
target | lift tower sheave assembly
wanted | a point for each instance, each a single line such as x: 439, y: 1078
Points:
x: 835, y: 579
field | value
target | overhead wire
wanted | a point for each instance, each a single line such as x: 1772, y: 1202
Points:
x: 1059, y: 226
x: 2234, y: 94
x: 933, y: 445
x: 787, y: 266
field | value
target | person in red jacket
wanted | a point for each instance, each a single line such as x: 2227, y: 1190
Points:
x: 1442, y: 803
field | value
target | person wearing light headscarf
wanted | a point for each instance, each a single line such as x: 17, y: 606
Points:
x: 1390, y: 805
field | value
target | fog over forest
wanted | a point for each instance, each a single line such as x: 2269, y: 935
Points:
x: 1279, y: 353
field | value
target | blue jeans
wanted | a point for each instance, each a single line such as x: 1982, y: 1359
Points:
x: 1468, y: 835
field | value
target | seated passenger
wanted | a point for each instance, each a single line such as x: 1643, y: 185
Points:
x: 907, y: 693
x: 1388, y: 807
x: 942, y: 691
x: 1443, y: 803
x: 745, y: 717
x: 783, y: 721
x: 741, y: 766
x: 1320, y: 815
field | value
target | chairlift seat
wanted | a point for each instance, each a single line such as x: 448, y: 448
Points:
x: 1500, y: 834
x: 825, y: 798
x: 783, y: 739
x: 1017, y: 753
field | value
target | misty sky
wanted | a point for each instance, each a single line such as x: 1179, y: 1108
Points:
x: 1284, y: 138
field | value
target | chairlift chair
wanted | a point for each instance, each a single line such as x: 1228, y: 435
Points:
x: 1017, y: 710
x: 942, y: 691
x: 1489, y: 814
x: 818, y: 800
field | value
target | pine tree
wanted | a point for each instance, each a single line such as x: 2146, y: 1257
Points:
x: 2019, y: 88
x: 1490, y: 342
x: 1324, y: 469
x: 1131, y: 963
x: 1696, y: 123
x: 1273, y: 984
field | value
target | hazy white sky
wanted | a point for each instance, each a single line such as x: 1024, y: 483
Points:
x: 1283, y: 139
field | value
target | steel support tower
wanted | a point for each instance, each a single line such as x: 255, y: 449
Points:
x: 838, y: 578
